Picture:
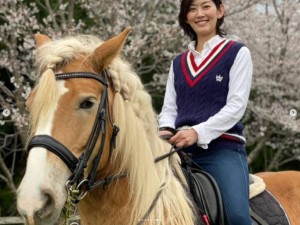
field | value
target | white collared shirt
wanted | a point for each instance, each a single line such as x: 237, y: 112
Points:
x: 239, y: 89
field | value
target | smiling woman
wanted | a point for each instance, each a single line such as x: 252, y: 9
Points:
x: 192, y: 8
x: 202, y: 16
x: 206, y: 96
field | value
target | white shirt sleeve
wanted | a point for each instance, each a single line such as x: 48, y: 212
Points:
x: 240, y: 78
x: 168, y: 113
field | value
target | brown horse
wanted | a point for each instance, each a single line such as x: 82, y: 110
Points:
x: 85, y: 94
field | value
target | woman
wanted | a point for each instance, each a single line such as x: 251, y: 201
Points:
x: 206, y: 96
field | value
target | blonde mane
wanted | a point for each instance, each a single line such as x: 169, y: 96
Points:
x: 137, y: 143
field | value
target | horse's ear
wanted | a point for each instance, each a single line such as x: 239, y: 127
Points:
x: 107, y: 51
x: 41, y: 39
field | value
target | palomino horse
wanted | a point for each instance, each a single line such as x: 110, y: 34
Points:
x: 86, y: 94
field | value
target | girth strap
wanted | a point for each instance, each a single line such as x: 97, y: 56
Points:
x: 56, y: 147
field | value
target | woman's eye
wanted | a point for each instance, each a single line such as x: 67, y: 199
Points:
x: 86, y: 104
x: 191, y: 9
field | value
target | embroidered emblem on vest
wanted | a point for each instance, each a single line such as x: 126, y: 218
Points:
x: 219, y: 78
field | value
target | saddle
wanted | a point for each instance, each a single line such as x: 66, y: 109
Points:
x: 205, y: 194
x: 264, y: 207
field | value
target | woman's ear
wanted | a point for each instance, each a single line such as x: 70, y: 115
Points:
x: 221, y: 11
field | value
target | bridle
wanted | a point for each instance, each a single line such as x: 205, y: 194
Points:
x: 77, y: 186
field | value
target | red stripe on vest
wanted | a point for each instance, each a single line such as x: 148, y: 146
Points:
x: 192, y: 58
x: 207, y: 69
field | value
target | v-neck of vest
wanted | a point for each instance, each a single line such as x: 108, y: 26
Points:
x: 194, y: 73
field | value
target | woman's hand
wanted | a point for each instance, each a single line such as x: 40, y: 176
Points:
x: 184, y: 138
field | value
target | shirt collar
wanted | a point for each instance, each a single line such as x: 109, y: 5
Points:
x: 209, y: 45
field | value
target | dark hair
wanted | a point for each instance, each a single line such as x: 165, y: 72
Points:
x: 182, y: 18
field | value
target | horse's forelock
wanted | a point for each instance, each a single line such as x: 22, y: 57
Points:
x: 44, y: 99
x: 58, y: 53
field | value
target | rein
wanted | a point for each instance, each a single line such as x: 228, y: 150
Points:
x: 156, y: 160
x: 77, y: 186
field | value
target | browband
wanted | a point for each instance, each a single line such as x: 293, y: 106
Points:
x: 63, y: 76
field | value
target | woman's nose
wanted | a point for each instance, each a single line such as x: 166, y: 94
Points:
x: 199, y: 12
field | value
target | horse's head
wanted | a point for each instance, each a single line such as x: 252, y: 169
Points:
x: 72, y: 127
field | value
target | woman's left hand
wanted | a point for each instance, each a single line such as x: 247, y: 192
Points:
x: 184, y: 138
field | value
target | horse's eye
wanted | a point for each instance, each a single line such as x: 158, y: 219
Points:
x: 86, y: 104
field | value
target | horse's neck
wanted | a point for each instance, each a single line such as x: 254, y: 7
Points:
x: 107, y: 206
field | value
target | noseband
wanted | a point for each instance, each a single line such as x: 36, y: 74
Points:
x: 77, y: 166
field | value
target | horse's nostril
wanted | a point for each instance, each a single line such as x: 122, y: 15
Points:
x: 46, y: 210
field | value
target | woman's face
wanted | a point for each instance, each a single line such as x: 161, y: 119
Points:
x: 202, y: 17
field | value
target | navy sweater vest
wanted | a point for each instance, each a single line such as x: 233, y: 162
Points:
x: 202, y: 96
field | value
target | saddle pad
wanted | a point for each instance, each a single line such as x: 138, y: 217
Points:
x: 269, y: 209
x: 257, y: 186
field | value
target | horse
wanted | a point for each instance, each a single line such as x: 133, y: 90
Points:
x: 93, y: 143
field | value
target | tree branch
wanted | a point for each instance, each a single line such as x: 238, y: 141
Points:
x: 52, y: 15
x: 259, y: 146
x: 70, y: 13
x: 275, y: 160
x: 6, y: 90
x: 248, y: 5
x: 62, y: 15
x: 7, y: 176
x: 294, y: 158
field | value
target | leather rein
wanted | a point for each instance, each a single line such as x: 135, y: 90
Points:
x: 77, y: 186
